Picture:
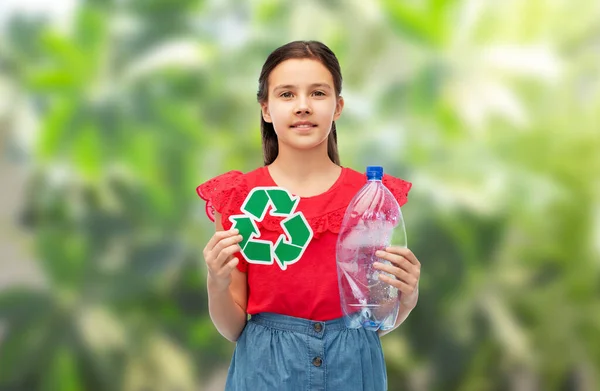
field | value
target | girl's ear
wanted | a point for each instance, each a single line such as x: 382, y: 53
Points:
x: 338, y: 108
x: 265, y: 112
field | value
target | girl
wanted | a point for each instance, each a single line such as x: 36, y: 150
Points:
x: 295, y: 338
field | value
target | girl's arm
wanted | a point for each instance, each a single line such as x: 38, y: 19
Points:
x: 227, y: 304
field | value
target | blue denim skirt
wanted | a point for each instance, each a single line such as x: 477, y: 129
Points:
x: 283, y: 353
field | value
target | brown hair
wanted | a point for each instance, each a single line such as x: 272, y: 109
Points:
x: 297, y: 49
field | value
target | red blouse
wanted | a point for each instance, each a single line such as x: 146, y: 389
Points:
x: 308, y: 288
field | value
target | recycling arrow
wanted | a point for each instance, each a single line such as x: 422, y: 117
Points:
x: 298, y: 229
x: 289, y: 246
x: 258, y: 251
x: 283, y: 201
x: 246, y: 226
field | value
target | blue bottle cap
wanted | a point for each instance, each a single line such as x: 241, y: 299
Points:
x: 374, y: 172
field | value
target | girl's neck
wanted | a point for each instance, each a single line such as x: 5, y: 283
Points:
x: 300, y: 165
x: 304, y: 173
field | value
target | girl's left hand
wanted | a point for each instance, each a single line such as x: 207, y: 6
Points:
x: 407, y: 270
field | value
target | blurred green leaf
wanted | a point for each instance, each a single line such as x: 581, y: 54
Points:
x: 63, y: 373
x: 21, y: 305
x: 426, y: 21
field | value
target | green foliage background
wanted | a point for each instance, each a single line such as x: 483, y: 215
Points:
x: 119, y: 109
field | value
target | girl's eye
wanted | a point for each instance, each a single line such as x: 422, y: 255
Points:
x: 286, y: 95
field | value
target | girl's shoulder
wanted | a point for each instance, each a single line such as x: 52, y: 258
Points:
x: 326, y: 211
x: 399, y: 188
x: 228, y: 189
x: 229, y: 181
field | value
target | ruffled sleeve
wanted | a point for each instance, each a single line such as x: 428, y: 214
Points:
x: 221, y: 194
x: 336, y: 208
x: 398, y: 187
x: 225, y: 194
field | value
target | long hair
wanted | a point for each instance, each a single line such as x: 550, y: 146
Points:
x: 298, y: 50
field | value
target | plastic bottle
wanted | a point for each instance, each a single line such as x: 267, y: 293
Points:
x: 373, y: 221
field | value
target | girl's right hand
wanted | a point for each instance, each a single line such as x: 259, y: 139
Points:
x: 218, y: 255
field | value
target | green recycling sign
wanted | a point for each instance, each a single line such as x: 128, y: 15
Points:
x: 289, y: 247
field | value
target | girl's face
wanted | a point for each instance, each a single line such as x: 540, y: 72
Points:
x: 302, y: 104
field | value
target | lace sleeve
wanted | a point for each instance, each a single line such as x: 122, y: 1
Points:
x: 398, y: 187
x: 224, y: 194
x: 218, y: 192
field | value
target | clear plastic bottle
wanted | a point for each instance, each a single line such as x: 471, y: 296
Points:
x: 373, y: 221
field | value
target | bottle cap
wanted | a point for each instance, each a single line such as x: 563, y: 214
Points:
x: 374, y: 172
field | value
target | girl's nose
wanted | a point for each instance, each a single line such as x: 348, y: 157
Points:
x: 303, y: 107
x: 305, y: 110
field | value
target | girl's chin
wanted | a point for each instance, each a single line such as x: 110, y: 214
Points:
x: 303, y: 143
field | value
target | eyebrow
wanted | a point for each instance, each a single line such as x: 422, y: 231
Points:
x: 291, y: 86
